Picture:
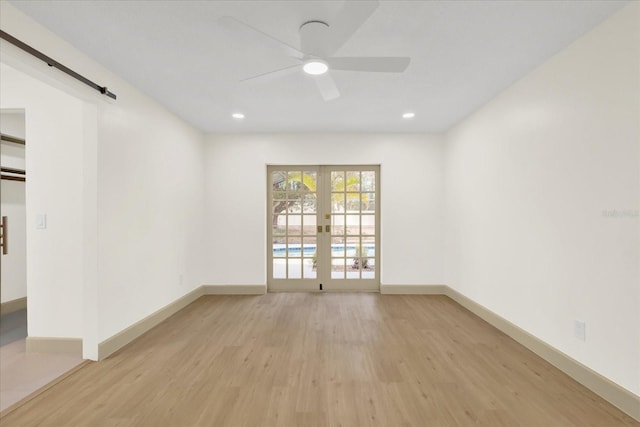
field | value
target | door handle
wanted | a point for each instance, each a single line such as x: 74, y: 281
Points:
x: 319, y: 229
x: 3, y: 235
x: 327, y: 228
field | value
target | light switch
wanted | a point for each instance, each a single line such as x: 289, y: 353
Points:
x: 41, y: 221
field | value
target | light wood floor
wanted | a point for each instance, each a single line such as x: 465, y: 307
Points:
x: 297, y: 359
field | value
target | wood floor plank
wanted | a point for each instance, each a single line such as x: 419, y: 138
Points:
x: 311, y: 359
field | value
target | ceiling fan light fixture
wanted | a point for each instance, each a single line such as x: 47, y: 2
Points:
x: 315, y: 67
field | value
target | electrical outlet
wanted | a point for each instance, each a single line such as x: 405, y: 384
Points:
x: 579, y: 329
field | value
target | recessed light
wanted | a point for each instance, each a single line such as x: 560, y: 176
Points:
x: 237, y: 116
x: 315, y: 67
x: 408, y: 115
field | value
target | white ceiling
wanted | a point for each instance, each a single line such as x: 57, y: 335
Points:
x: 463, y: 54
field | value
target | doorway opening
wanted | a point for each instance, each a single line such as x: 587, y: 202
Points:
x: 13, y: 257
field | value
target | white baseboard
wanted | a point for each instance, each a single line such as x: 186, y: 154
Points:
x: 622, y: 398
x: 13, y: 305
x: 413, y: 289
x: 124, y: 337
x: 234, y: 289
x: 57, y: 345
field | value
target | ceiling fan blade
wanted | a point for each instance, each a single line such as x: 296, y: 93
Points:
x: 372, y: 63
x: 273, y: 73
x: 353, y: 14
x: 327, y: 86
x: 231, y: 22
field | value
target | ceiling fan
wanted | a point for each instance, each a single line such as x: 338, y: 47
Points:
x: 319, y: 40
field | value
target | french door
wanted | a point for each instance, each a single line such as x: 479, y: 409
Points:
x: 323, y: 224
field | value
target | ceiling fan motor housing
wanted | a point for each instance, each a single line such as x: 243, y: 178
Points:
x: 313, y: 38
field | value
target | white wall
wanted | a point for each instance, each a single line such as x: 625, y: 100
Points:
x: 530, y: 179
x: 14, y: 263
x: 138, y: 179
x: 151, y: 210
x: 411, y: 198
x: 12, y: 123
